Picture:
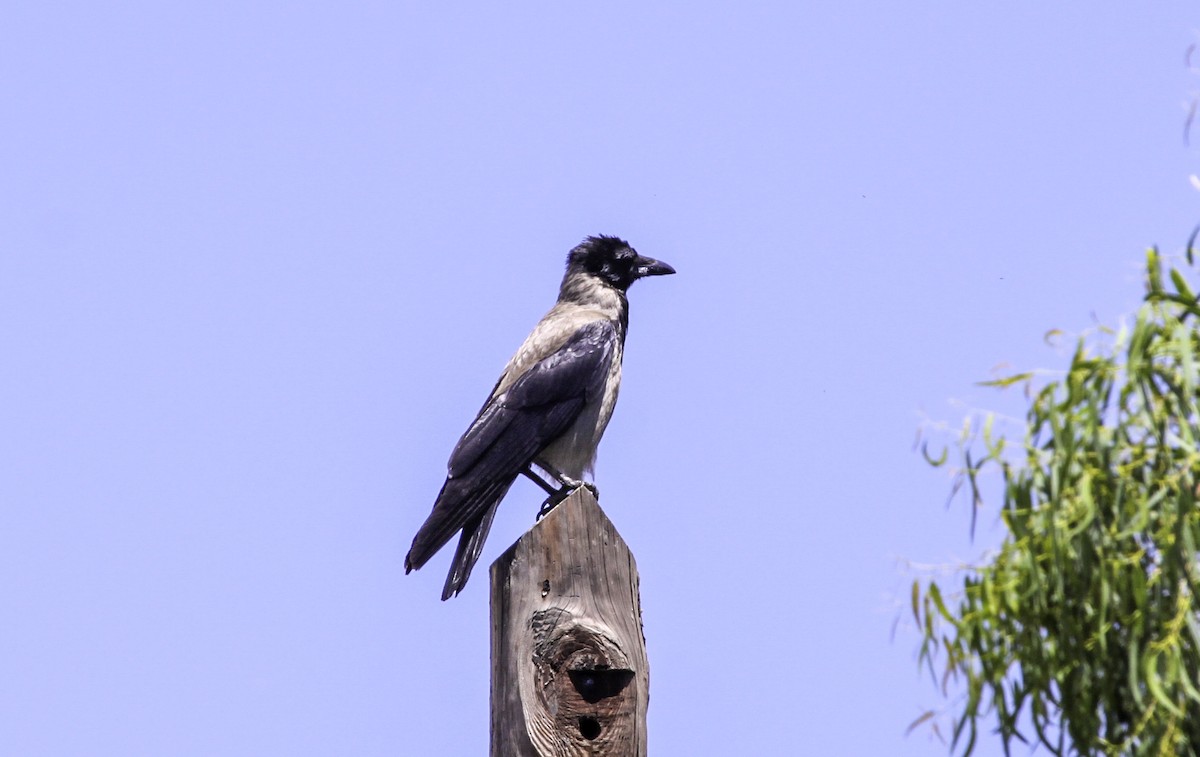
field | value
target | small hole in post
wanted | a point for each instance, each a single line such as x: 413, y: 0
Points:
x: 589, y: 728
x: 545, y: 588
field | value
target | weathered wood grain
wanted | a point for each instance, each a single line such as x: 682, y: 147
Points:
x: 569, y: 669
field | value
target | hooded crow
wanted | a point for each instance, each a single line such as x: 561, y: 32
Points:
x: 549, y: 408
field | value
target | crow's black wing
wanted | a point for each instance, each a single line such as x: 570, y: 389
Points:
x: 511, y: 429
x: 541, y: 404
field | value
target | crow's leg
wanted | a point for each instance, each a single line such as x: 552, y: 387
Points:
x: 535, y: 478
x: 556, y: 495
x: 571, y: 484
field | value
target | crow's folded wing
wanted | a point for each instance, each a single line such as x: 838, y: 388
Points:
x: 511, y: 429
x: 539, y: 406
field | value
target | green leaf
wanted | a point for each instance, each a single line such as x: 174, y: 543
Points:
x: 936, y: 595
x: 1154, y: 684
x: 1007, y: 380
x: 922, y: 718
x: 939, y: 461
x: 1153, y: 271
x: 1181, y: 285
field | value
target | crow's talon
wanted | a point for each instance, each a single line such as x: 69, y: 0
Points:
x: 556, y: 498
x: 571, y: 484
x: 553, y: 501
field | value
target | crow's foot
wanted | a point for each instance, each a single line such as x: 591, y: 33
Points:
x: 553, y: 501
x: 570, y: 487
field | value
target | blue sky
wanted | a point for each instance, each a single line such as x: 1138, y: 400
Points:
x: 263, y: 261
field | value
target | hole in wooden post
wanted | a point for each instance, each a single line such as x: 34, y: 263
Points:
x: 594, y: 684
x: 589, y: 728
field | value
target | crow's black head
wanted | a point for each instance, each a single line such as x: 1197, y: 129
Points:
x: 613, y: 261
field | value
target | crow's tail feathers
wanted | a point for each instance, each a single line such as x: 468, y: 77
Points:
x: 470, y: 545
x: 471, y: 511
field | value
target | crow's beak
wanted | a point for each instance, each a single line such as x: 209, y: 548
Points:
x: 651, y: 267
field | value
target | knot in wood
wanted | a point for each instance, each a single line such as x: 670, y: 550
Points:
x: 582, y: 679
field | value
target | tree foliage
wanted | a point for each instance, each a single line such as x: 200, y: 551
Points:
x: 1083, y: 630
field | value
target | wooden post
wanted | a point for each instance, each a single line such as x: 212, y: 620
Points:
x: 569, y: 669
